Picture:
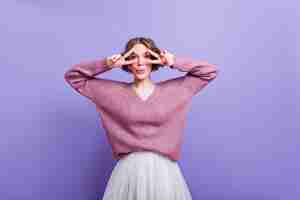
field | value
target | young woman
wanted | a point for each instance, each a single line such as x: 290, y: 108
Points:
x: 144, y: 121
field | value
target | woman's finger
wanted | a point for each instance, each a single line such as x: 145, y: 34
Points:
x: 128, y: 53
x: 158, y: 61
x: 117, y: 57
x: 114, y: 59
x: 165, y: 51
x: 153, y: 53
x: 129, y: 62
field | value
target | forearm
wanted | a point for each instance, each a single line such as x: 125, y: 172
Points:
x: 198, y: 72
x: 78, y: 75
x: 198, y: 68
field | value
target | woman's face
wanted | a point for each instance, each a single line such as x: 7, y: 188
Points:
x: 141, y: 69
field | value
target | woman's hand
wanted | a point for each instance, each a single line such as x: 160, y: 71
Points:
x: 118, y: 60
x: 164, y: 58
x: 167, y: 58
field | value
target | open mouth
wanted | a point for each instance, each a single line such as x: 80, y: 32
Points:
x: 140, y: 71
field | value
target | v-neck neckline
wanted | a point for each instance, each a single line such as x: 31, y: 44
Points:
x: 148, y: 99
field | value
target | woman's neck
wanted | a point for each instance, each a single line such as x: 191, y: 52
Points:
x: 145, y: 83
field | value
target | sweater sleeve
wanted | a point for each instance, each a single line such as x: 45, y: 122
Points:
x: 79, y: 76
x: 199, y: 73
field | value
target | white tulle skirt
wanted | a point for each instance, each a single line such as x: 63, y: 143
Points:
x: 146, y: 175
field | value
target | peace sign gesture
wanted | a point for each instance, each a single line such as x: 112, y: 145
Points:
x: 118, y: 60
x: 164, y: 58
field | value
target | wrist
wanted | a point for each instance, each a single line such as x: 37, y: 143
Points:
x: 109, y: 63
x: 174, y: 60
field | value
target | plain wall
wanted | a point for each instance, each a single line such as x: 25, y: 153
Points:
x: 242, y: 136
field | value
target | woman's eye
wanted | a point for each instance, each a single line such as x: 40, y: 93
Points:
x: 131, y: 57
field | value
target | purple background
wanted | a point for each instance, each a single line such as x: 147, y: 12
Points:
x: 242, y: 136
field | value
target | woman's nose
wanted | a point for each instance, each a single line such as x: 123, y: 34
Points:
x: 141, y: 61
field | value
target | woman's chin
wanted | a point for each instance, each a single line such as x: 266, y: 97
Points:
x: 141, y: 76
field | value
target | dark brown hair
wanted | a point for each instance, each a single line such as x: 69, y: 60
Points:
x: 149, y: 43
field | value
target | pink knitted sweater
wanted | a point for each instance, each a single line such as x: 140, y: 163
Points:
x: 132, y: 124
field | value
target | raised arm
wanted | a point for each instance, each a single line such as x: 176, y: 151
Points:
x: 80, y: 75
x: 199, y: 72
